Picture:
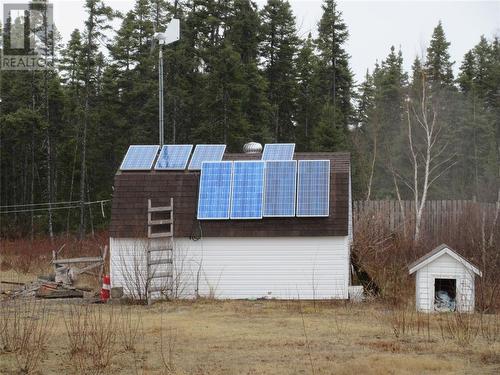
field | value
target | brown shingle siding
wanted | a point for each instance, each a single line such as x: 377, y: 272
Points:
x: 133, y: 189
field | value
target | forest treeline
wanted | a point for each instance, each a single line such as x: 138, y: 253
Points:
x: 240, y: 73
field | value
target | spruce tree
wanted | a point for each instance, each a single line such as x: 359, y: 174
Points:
x: 335, y: 77
x: 382, y: 122
x: 366, y: 100
x: 278, y: 51
x: 96, y: 24
x: 391, y: 81
x: 477, y: 126
x: 70, y: 63
x: 244, y: 33
x: 467, y: 73
x: 308, y: 105
x: 365, y: 138
x: 438, y: 66
x: 222, y: 120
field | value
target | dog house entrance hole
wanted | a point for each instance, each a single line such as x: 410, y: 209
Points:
x: 445, y: 292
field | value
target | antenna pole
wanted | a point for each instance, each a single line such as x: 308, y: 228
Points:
x: 160, y: 94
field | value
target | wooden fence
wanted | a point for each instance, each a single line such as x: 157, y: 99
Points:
x: 437, y: 216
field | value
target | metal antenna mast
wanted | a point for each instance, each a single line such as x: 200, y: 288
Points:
x: 170, y: 35
x: 160, y: 95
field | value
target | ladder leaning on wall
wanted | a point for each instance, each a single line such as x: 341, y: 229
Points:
x: 160, y: 251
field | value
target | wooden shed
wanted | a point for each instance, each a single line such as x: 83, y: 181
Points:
x: 444, y: 281
x: 274, y: 257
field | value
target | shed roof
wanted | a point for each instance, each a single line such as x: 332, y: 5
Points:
x: 438, y: 252
x: 133, y: 189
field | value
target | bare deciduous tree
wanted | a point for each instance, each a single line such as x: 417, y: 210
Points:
x: 426, y: 148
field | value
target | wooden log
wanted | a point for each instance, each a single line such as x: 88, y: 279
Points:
x: 48, y: 293
x: 78, y: 260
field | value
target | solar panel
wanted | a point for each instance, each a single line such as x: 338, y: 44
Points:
x: 139, y: 157
x: 173, y: 157
x: 280, y: 188
x: 278, y: 151
x: 214, y: 198
x: 248, y: 190
x: 206, y: 153
x: 313, y: 195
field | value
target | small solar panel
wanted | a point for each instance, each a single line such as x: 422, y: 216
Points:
x: 313, y: 194
x: 206, y: 153
x: 173, y: 157
x: 280, y: 188
x: 248, y: 190
x: 278, y: 151
x: 214, y: 198
x: 139, y: 157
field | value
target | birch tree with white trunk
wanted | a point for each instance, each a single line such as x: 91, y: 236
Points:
x: 426, y: 149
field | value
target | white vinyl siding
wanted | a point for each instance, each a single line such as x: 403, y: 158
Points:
x: 278, y: 267
x: 349, y: 223
x: 444, y: 267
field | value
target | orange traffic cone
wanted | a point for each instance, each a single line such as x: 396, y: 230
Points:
x: 106, y: 288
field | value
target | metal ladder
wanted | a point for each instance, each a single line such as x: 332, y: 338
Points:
x: 160, y: 253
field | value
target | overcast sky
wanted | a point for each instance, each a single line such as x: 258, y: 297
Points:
x: 373, y: 25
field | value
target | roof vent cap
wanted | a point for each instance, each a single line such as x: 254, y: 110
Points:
x: 252, y: 148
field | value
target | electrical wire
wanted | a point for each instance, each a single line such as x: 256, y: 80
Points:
x: 39, y: 204
x: 67, y: 207
x: 196, y: 230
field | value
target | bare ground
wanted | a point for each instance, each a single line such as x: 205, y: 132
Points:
x: 275, y: 337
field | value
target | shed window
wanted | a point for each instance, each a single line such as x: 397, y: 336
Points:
x: 445, y: 293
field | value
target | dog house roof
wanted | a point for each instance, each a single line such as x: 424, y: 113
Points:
x: 438, y: 252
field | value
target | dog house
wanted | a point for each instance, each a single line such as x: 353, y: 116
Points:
x: 444, y: 281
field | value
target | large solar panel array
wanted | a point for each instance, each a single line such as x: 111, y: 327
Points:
x: 214, y: 199
x: 173, y: 157
x: 313, y: 193
x: 278, y: 151
x: 280, y: 188
x: 275, y: 187
x: 206, y: 153
x: 139, y: 157
x: 257, y: 189
x: 248, y: 190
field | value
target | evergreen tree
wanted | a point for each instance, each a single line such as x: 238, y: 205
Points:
x: 244, y: 35
x: 95, y: 26
x: 70, y: 63
x: 366, y: 99
x: 278, y: 51
x: 391, y: 81
x: 467, y: 73
x: 134, y: 61
x: 308, y: 105
x: 223, y: 120
x: 417, y: 73
x: 365, y: 137
x: 335, y: 77
x: 327, y: 137
x: 382, y: 123
x: 438, y: 66
x: 476, y: 126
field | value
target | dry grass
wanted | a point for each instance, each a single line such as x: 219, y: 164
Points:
x: 266, y: 337
x: 25, y: 331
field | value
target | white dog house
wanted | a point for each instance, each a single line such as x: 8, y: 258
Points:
x: 444, y: 281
